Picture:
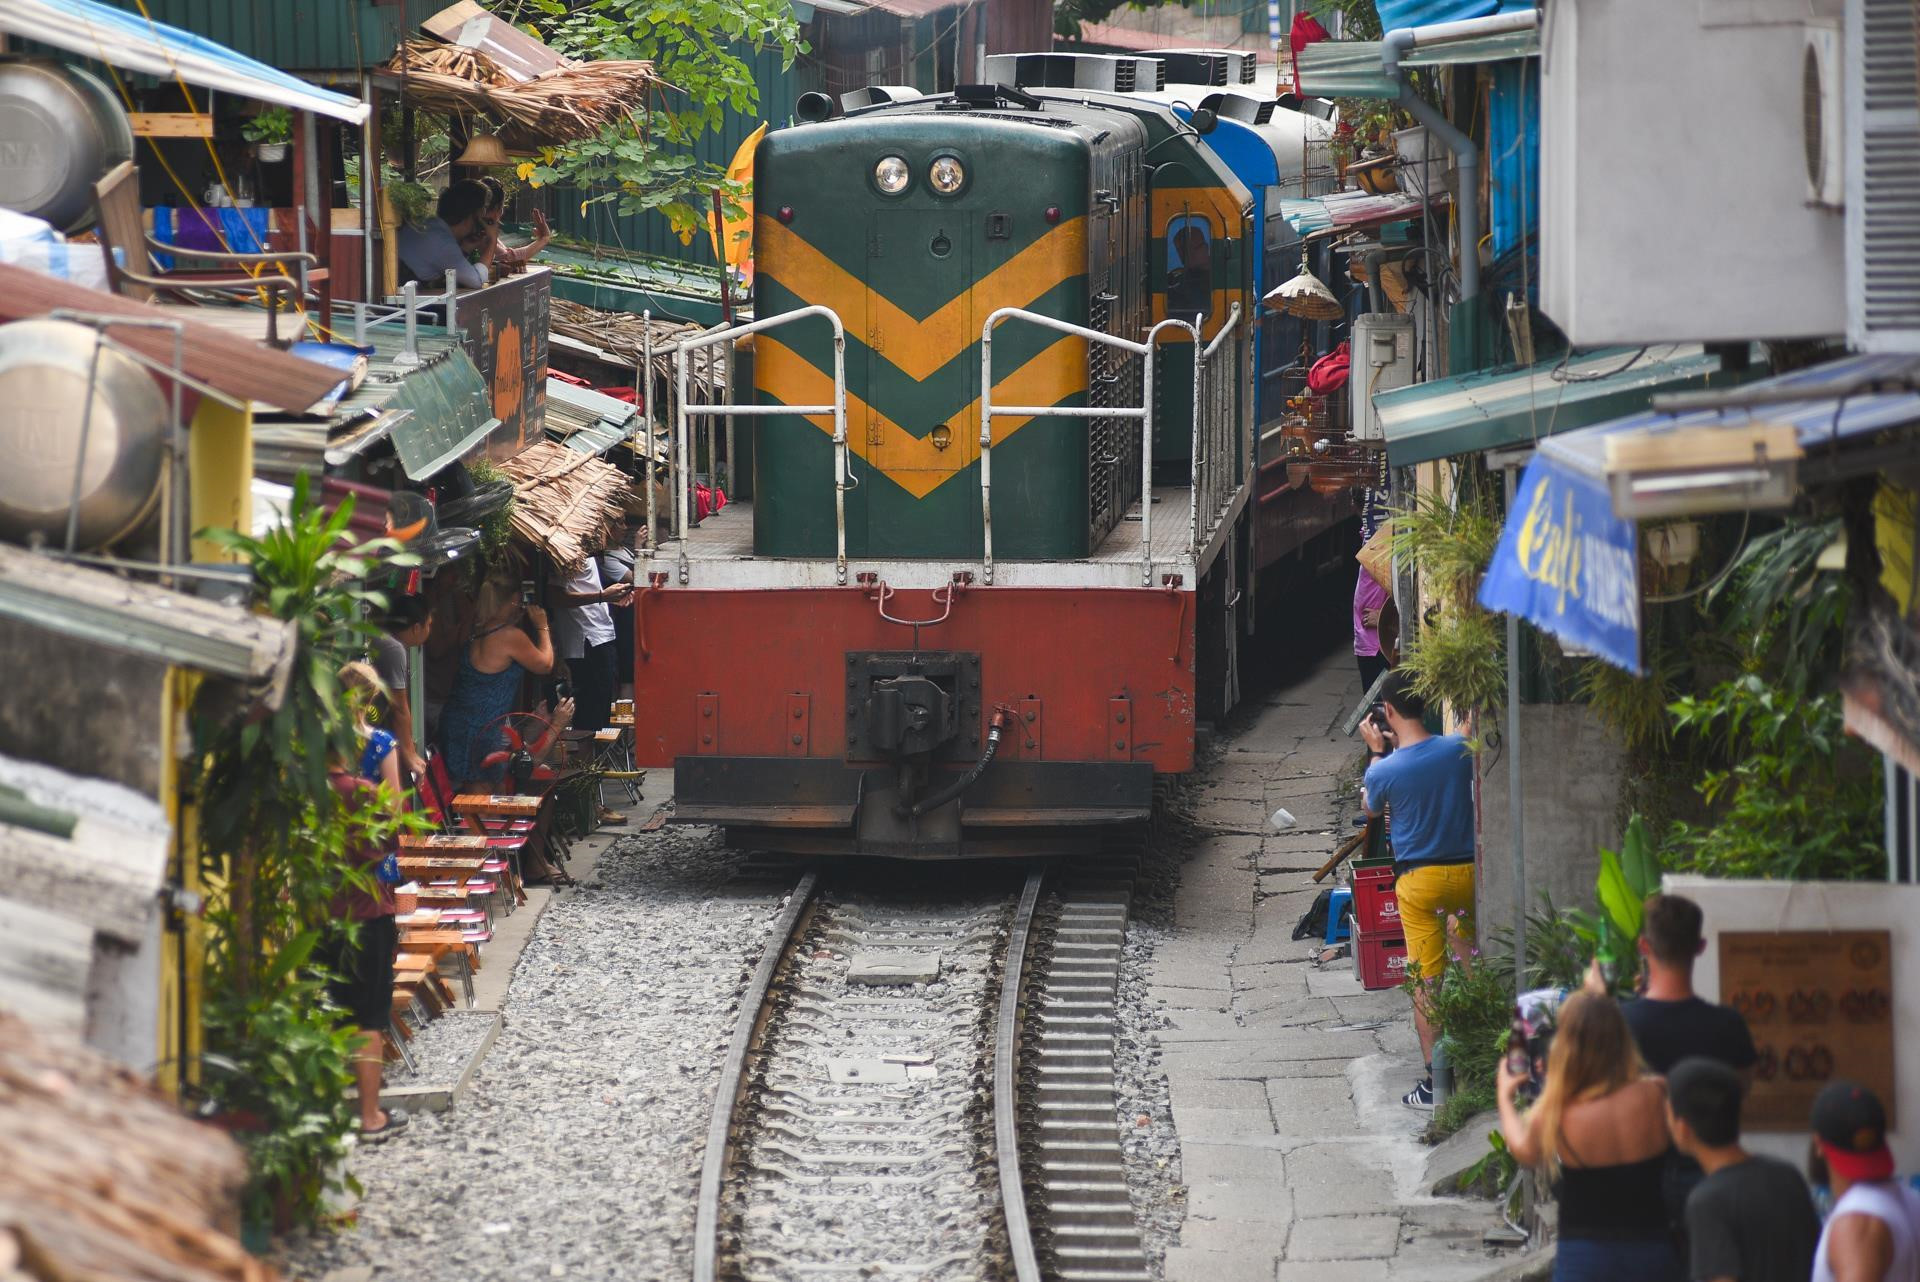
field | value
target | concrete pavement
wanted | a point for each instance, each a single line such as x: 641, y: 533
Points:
x: 1300, y: 1160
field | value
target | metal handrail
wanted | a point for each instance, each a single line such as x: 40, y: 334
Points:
x: 1207, y: 429
x: 1144, y: 413
x: 684, y: 412
x: 408, y: 309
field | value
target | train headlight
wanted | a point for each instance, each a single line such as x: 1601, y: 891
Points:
x: 947, y: 175
x: 891, y: 175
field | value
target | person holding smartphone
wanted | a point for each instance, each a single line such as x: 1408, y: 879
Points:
x: 1427, y: 785
x: 584, y: 637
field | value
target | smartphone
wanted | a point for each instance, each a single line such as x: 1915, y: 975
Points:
x: 526, y: 592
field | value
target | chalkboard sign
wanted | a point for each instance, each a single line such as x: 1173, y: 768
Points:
x: 504, y: 328
x: 1820, y: 1006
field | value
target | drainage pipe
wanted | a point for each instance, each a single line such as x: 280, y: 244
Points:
x: 1466, y: 152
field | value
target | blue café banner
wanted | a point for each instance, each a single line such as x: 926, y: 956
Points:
x: 1568, y: 565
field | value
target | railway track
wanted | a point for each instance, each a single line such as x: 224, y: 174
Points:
x: 920, y: 1085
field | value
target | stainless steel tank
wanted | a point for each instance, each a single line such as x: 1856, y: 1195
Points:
x: 61, y: 130
x: 44, y: 367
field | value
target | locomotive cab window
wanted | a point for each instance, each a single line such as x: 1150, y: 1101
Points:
x: 1189, y: 268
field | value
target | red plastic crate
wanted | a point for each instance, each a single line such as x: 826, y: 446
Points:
x: 1380, y: 957
x: 1376, y: 908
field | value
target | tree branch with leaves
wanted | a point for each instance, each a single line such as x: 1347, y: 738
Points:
x: 694, y: 46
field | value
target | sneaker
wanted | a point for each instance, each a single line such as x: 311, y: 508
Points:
x: 1421, y: 1096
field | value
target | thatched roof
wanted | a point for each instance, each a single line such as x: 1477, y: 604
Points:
x: 567, y: 503
x: 104, y: 1178
x: 472, y: 61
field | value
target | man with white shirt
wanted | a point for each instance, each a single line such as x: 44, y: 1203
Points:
x: 583, y: 635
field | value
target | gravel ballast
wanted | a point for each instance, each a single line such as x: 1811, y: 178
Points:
x: 576, y: 1152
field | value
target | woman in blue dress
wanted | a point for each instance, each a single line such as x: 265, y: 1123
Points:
x: 509, y: 641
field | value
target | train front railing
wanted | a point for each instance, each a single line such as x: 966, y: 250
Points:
x: 1222, y: 398
x: 1218, y: 426
x: 684, y: 413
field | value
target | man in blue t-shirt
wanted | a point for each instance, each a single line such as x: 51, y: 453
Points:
x: 1425, y: 781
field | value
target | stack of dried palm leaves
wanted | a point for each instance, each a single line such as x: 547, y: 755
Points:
x: 104, y: 1178
x: 567, y: 503
x: 623, y: 334
x: 573, y: 100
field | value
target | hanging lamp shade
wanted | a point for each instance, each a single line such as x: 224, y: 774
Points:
x: 484, y: 151
x: 1305, y: 295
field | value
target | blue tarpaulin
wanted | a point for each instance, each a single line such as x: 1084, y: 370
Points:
x: 1513, y: 155
x: 1420, y: 13
x: 1568, y: 565
x: 134, y: 42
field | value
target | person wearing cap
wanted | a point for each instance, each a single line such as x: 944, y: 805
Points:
x: 1750, y: 1219
x: 1873, y: 1232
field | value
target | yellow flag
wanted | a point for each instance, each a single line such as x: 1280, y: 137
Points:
x: 734, y: 241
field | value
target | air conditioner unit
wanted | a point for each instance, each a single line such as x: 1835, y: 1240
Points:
x: 1098, y: 71
x: 1643, y: 244
x: 1821, y: 99
x: 1881, y: 126
x: 1382, y: 360
x: 1217, y: 67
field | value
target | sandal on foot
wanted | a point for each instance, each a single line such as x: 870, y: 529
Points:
x: 396, y: 1121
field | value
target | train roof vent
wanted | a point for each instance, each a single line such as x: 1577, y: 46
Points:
x: 876, y: 96
x: 1217, y: 67
x: 1097, y: 71
x: 1245, y: 108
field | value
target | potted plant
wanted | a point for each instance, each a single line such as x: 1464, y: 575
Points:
x: 269, y: 132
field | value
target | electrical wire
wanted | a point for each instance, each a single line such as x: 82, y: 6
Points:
x: 1739, y: 549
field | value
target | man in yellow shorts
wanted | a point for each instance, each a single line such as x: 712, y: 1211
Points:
x: 1426, y: 781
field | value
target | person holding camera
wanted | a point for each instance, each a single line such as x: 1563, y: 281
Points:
x: 509, y: 641
x: 1424, y: 782
x: 1599, y: 1131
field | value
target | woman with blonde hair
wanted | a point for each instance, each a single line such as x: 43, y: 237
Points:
x: 1599, y: 1131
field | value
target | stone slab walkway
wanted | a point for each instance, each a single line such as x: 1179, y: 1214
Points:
x: 1299, y: 1158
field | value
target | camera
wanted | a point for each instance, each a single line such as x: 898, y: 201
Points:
x: 527, y: 594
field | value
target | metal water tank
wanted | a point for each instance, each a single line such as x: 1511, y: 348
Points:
x: 61, y: 130
x: 1380, y: 360
x: 44, y: 375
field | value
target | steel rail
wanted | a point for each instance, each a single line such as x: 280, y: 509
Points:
x: 733, y: 1071
x: 1006, y: 1101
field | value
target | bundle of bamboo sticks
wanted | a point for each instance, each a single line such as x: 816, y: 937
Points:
x: 623, y: 334
x: 567, y: 503
x: 104, y: 1178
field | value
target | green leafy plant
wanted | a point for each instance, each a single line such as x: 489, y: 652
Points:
x: 496, y: 527
x: 1559, y: 946
x: 1458, y: 655
x: 1459, y: 658
x: 694, y: 45
x: 1790, y: 804
x: 274, y: 125
x: 414, y: 202
x: 1791, y: 614
x: 274, y: 839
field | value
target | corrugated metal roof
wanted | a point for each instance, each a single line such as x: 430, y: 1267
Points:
x: 310, y: 35
x: 1854, y: 396
x: 586, y: 420
x: 444, y: 399
x: 1351, y: 68
x: 1493, y: 409
x: 136, y: 43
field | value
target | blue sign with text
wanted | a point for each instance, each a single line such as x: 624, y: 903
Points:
x: 1568, y: 565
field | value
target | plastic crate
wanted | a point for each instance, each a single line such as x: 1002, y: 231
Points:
x: 1376, y: 909
x: 1379, y: 959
